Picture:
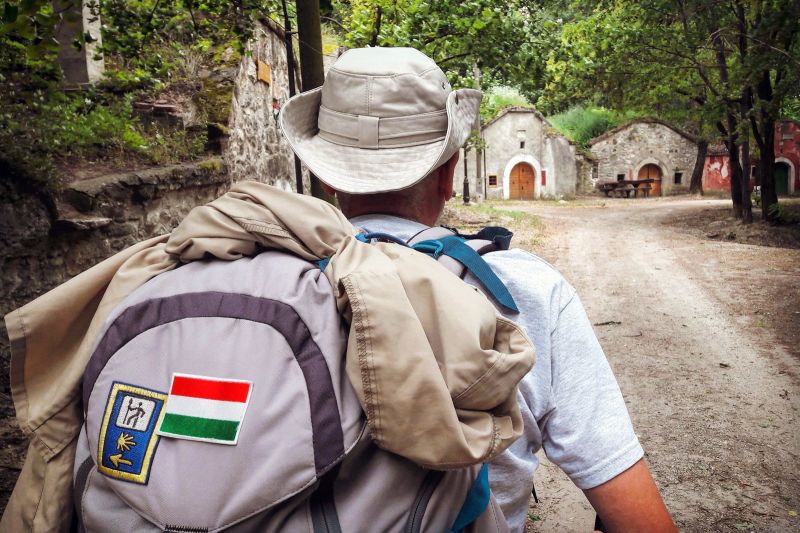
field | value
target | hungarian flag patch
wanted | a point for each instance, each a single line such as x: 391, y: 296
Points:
x: 205, y: 408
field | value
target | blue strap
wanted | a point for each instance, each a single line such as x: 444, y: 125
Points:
x: 323, y: 263
x: 475, y: 503
x: 453, y: 246
x: 498, y: 235
x: 432, y: 247
x: 366, y: 237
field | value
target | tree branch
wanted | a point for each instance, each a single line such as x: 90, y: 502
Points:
x: 457, y: 56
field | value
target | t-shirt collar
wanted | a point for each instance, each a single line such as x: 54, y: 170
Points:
x: 397, y: 226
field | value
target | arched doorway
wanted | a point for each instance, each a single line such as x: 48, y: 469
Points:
x: 521, y: 182
x: 652, y: 172
x: 782, y: 173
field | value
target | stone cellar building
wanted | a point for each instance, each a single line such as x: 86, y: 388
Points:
x: 646, y: 149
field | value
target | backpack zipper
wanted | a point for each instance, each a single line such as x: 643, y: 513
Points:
x: 429, y: 484
x: 324, y: 517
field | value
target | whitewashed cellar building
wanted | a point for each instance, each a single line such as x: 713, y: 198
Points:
x: 525, y: 158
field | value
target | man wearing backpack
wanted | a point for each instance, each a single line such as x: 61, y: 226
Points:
x: 383, y: 134
x: 133, y: 379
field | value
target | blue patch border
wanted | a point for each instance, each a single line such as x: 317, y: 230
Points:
x: 153, y: 439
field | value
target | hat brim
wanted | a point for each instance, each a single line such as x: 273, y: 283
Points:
x: 363, y: 170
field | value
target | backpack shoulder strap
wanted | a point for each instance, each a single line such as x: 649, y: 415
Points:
x: 462, y: 253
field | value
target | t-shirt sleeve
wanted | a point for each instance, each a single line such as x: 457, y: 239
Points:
x: 587, y: 432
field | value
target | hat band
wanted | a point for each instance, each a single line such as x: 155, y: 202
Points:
x: 364, y: 131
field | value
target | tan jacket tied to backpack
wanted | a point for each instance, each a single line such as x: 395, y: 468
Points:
x: 399, y: 304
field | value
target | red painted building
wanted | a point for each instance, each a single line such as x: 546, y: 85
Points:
x: 787, y: 157
x: 717, y: 170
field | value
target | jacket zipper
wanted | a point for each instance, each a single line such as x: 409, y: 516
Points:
x: 429, y: 484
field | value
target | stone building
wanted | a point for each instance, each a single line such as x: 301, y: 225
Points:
x: 646, y: 149
x: 525, y: 158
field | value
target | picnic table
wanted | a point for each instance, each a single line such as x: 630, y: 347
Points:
x: 624, y: 188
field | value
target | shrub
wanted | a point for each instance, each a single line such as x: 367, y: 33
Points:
x: 582, y: 124
x: 498, y: 98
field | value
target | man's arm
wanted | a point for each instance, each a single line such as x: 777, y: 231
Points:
x: 631, y: 502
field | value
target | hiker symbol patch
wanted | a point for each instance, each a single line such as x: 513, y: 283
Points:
x: 127, y: 436
x: 205, y: 408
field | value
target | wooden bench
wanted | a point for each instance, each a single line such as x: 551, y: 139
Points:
x: 624, y: 191
x: 607, y: 188
x: 624, y: 188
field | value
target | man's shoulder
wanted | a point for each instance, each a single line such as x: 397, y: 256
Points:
x: 527, y: 271
x: 538, y: 288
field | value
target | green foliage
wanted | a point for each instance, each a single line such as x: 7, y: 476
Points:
x: 458, y: 34
x: 582, y: 124
x: 498, y: 98
x: 150, y: 47
x: 37, y: 127
x: 131, y: 26
x: 782, y: 213
x: 173, y: 146
x: 474, y: 142
x: 791, y: 108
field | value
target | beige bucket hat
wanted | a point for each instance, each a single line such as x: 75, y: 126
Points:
x: 382, y: 121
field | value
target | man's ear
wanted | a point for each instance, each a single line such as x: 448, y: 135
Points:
x: 446, y: 173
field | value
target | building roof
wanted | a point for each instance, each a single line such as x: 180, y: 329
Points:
x: 517, y: 109
x: 550, y: 132
x: 612, y: 132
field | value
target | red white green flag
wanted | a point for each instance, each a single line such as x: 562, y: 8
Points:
x: 204, y: 408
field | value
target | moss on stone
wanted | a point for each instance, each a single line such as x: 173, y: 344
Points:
x: 214, y: 165
x: 213, y: 100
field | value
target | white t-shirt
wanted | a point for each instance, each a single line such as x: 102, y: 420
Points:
x: 571, y: 404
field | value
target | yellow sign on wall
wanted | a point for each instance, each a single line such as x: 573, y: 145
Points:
x: 263, y: 72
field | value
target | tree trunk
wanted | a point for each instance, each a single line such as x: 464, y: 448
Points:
x: 764, y: 132
x: 747, y: 203
x: 736, y: 178
x: 766, y: 166
x: 744, y: 110
x: 312, y: 70
x: 696, y: 184
x: 376, y: 27
x: 736, y: 168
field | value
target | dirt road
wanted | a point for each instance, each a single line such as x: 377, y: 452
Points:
x: 713, y: 395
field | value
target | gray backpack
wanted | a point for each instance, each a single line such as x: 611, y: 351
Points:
x: 216, y: 399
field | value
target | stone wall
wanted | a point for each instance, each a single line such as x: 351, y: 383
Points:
x: 624, y: 150
x: 45, y: 242
x: 256, y: 149
x: 587, y: 177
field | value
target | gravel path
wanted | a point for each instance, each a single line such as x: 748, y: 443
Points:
x: 713, y: 396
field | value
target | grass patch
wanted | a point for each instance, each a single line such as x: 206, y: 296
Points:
x: 498, y: 212
x: 528, y: 229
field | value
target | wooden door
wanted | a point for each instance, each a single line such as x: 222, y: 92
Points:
x: 652, y: 172
x: 781, y: 179
x: 520, y: 183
